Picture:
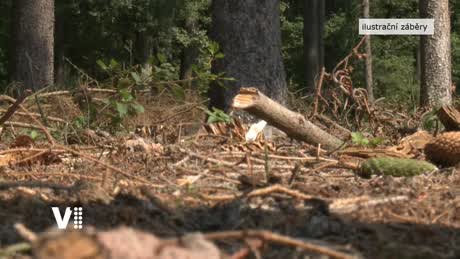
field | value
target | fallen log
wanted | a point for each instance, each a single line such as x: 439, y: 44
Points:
x: 292, y: 123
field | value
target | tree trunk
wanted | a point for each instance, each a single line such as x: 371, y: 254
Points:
x: 33, y: 41
x: 249, y: 35
x: 143, y: 48
x: 368, y: 46
x: 418, y: 57
x: 59, y: 46
x: 314, y: 15
x: 435, y: 55
x: 189, y: 57
x: 190, y: 53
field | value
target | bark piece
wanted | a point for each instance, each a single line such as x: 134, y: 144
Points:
x: 293, y: 124
x: 449, y: 117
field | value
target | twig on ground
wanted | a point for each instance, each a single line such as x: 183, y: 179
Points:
x: 348, y: 205
x: 33, y: 184
x: 25, y: 233
x: 16, y: 150
x: 55, y: 119
x: 278, y: 239
x: 253, y: 246
x: 263, y: 192
x: 36, y: 155
x: 25, y: 125
x: 93, y: 159
x: 13, y: 108
x: 318, y: 92
x: 48, y: 174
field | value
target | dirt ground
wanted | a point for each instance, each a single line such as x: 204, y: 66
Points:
x: 213, y: 183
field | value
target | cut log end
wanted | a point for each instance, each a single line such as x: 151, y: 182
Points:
x: 246, y: 98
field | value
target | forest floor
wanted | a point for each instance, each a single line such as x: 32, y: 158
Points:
x: 181, y: 181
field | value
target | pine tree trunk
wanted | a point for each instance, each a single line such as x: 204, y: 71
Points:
x: 436, y: 74
x: 190, y: 53
x: 59, y: 46
x: 368, y: 47
x: 248, y: 33
x: 33, y: 42
x: 143, y: 48
x: 314, y: 12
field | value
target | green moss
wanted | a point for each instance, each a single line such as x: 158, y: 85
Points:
x: 397, y: 167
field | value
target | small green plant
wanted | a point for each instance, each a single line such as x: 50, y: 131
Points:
x: 217, y: 115
x: 358, y: 139
x: 33, y: 134
x: 430, y: 121
x: 125, y: 104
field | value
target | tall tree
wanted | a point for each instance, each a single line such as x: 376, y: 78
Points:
x: 314, y: 15
x: 248, y: 33
x: 33, y: 42
x: 368, y: 46
x: 143, y: 47
x: 190, y: 53
x: 436, y: 71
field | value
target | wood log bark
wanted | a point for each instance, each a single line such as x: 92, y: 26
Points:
x: 449, y: 117
x: 292, y: 123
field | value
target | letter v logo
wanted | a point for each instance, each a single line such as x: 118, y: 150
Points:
x: 60, y: 221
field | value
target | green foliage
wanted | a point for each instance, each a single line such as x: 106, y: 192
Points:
x: 33, y: 134
x: 80, y: 122
x: 358, y: 139
x: 292, y: 49
x: 217, y: 115
x: 430, y: 121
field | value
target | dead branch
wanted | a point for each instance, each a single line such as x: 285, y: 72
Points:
x: 14, y: 107
x: 35, y: 184
x: 318, y: 92
x: 278, y: 239
x: 24, y: 125
x: 25, y: 233
x: 264, y: 192
x: 293, y: 124
x: 37, y: 115
x: 27, y: 159
x: 349, y: 205
x: 17, y: 150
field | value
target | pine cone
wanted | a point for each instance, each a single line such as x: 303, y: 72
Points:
x: 444, y: 149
